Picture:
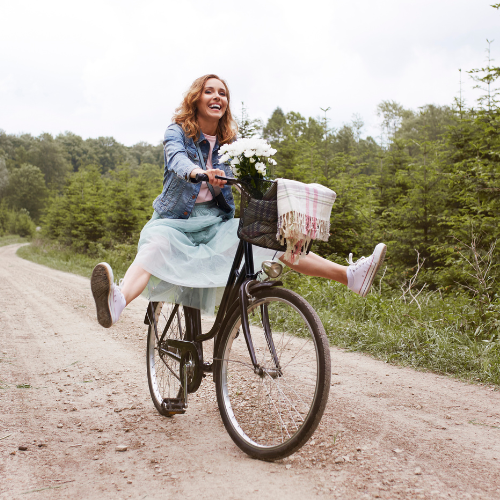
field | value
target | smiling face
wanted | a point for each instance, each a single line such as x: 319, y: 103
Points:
x: 213, y: 101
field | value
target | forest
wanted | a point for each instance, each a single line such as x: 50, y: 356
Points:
x: 428, y: 186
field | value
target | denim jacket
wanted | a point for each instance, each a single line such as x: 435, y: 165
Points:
x: 179, y: 194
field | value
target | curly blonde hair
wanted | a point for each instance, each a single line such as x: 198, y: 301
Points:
x: 185, y: 114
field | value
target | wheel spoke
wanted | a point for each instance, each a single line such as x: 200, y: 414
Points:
x: 163, y: 369
x: 268, y: 414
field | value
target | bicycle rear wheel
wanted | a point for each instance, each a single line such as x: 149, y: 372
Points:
x: 164, y: 373
x: 272, y: 414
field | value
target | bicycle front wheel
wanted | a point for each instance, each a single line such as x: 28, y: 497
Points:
x: 271, y: 414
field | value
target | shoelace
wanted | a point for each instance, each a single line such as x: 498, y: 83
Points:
x: 351, y: 263
x: 116, y: 295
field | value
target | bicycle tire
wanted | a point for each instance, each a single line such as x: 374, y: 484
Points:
x: 163, y: 371
x: 270, y: 416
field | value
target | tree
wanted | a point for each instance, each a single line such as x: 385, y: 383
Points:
x: 273, y: 131
x: 78, y: 152
x: 143, y: 152
x: 148, y: 184
x: 49, y: 157
x: 108, y: 152
x: 4, y: 177
x: 26, y: 189
x: 392, y: 114
x: 123, y: 219
x: 413, y: 220
x: 248, y: 127
x: 78, y: 217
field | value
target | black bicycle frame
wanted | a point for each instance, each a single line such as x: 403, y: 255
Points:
x: 236, y: 290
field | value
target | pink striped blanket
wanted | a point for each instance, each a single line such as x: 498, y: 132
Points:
x: 303, y: 215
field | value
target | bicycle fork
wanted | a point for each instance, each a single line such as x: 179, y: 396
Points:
x: 245, y: 298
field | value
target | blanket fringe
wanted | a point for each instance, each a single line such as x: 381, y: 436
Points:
x: 299, y: 229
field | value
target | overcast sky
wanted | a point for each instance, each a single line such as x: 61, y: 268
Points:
x: 119, y: 68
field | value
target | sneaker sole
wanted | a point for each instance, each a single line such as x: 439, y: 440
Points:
x: 100, y: 284
x: 378, y: 258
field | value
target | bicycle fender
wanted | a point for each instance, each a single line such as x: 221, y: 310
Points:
x: 259, y: 285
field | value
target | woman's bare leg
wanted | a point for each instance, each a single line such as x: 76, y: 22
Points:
x: 314, y: 265
x: 358, y: 276
x: 134, y: 282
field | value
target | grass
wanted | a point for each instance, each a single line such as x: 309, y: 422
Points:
x: 12, y: 239
x: 440, y: 336
x: 59, y: 257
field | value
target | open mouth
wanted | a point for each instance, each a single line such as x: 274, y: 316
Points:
x: 215, y: 106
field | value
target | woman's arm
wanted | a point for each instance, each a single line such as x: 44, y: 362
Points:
x: 179, y: 161
x: 176, y: 157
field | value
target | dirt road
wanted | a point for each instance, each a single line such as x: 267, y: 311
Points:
x: 71, y: 392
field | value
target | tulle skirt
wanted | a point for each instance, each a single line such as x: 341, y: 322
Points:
x: 190, y: 259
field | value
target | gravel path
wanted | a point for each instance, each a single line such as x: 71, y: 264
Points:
x: 72, y: 393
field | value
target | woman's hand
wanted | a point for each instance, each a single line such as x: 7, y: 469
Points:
x: 211, y: 175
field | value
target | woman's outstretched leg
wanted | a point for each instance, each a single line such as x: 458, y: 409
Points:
x: 314, y: 265
x: 134, y: 282
x: 358, y: 276
x: 110, y: 299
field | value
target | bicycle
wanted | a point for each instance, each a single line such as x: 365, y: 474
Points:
x: 270, y: 362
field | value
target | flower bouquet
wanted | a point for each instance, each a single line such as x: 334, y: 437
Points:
x: 249, y: 160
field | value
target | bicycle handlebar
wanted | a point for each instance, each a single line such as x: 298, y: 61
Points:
x: 230, y: 182
x: 204, y: 178
x: 200, y: 178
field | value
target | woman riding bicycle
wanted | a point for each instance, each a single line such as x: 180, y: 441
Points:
x: 186, y: 250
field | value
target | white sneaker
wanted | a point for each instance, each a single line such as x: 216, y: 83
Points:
x: 360, y: 274
x: 109, y: 299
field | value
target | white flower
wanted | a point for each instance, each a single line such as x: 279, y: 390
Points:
x: 257, y: 151
x: 260, y: 167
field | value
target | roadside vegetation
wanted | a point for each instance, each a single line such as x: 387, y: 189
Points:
x: 429, y: 187
x: 446, y: 334
x: 11, y: 239
x: 58, y: 256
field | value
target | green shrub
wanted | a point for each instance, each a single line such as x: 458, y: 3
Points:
x: 15, y: 221
x: 24, y: 226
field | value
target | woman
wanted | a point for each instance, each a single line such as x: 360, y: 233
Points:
x: 185, y: 252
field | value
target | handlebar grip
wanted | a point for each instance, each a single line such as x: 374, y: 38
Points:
x: 201, y: 178
x: 228, y: 180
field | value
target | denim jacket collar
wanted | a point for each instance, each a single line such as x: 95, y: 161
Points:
x: 202, y: 138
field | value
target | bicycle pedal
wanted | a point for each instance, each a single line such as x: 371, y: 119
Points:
x: 174, y: 405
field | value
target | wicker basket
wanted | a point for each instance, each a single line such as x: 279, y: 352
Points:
x: 259, y: 218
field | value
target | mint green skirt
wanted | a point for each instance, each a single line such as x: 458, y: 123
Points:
x: 190, y: 259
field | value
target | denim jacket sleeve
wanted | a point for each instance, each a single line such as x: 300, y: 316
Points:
x: 177, y: 156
